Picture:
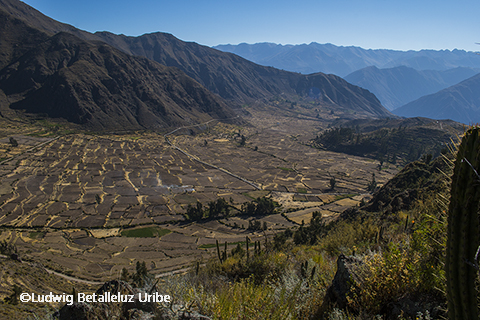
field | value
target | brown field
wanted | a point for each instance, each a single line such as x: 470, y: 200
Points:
x: 66, y: 202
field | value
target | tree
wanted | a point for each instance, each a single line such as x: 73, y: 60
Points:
x: 265, y: 206
x: 218, y: 208
x: 279, y: 240
x: 248, y: 208
x: 238, y: 250
x: 254, y: 225
x: 259, y: 207
x: 195, y: 213
x: 243, y: 140
x: 333, y: 182
x: 372, y: 185
x: 13, y: 142
x: 427, y: 158
x: 311, y: 233
x: 140, y: 274
x: 7, y: 249
x: 13, y: 298
x: 380, y: 165
x: 125, y: 276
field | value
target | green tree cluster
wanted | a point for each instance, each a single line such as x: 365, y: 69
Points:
x: 140, y: 276
x: 310, y: 234
x: 259, y: 207
x: 256, y: 225
x: 216, y: 209
x: 6, y: 248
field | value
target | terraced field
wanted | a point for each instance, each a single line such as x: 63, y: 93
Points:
x: 66, y: 202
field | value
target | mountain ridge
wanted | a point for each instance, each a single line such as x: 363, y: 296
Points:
x: 397, y: 86
x: 325, y: 57
x: 460, y: 102
x: 219, y: 71
x: 226, y: 75
x: 96, y: 85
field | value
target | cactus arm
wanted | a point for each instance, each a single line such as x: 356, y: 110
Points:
x: 463, y: 230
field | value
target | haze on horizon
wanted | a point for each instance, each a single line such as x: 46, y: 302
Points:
x: 370, y: 24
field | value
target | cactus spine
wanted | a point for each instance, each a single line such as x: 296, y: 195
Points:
x: 463, y: 230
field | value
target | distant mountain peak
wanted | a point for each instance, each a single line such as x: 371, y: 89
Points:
x: 460, y: 102
x: 343, y: 60
x: 400, y: 85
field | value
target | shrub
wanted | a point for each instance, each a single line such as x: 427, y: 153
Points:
x: 346, y: 236
x: 13, y: 142
x: 246, y: 300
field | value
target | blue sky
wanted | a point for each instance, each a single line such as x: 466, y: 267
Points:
x: 401, y: 25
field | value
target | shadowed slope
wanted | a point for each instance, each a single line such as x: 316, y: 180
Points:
x: 397, y: 86
x: 235, y: 78
x: 93, y: 84
x: 460, y: 102
x: 228, y: 75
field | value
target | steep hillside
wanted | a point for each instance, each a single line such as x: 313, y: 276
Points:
x: 418, y: 179
x: 19, y: 10
x: 237, y: 79
x: 30, y: 276
x: 225, y: 74
x: 339, y: 60
x: 460, y: 102
x: 93, y: 84
x: 389, y: 140
x: 397, y: 86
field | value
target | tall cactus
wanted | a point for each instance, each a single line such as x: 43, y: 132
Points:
x: 218, y: 251
x: 464, y: 230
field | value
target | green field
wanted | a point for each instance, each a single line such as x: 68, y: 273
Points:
x: 35, y: 234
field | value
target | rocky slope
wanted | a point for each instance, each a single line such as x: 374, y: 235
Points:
x: 96, y: 85
x: 231, y: 77
x: 237, y: 79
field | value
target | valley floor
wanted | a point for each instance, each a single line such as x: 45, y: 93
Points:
x: 67, y: 202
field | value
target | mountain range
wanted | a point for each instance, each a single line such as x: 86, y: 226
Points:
x: 397, y: 78
x: 105, y: 81
x: 445, y: 103
x: 339, y: 60
x: 397, y: 86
